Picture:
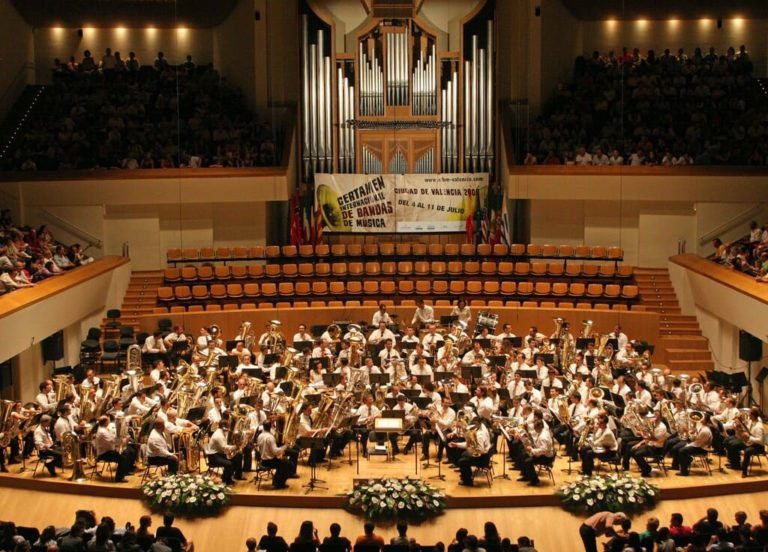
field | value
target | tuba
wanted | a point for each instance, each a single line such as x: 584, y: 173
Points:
x: 559, y: 321
x: 275, y: 340
x: 6, y: 423
x: 70, y: 454
x: 61, y: 384
x: 291, y: 428
x: 588, y: 425
x: 133, y: 358
x: 246, y: 335
x: 355, y: 346
x: 586, y: 329
x: 666, y: 413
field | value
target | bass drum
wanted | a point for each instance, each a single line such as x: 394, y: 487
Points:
x: 485, y: 320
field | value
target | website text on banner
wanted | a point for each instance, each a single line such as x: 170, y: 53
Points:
x: 390, y: 203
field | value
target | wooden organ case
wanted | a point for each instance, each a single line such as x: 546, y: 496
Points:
x: 397, y: 104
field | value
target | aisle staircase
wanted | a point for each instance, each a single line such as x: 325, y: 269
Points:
x: 140, y: 298
x: 685, y: 349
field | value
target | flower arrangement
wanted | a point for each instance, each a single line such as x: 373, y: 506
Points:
x: 188, y: 494
x: 608, y: 492
x: 391, y: 499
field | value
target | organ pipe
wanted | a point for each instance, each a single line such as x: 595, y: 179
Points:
x: 317, y: 111
x: 478, y: 105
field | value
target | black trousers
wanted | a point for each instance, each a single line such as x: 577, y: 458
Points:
x: 426, y: 438
x: 639, y: 455
x: 685, y: 456
x: 232, y: 466
x: 55, y: 462
x: 588, y: 456
x: 283, y: 468
x: 588, y: 537
x: 124, y: 461
x: 529, y: 466
x: 467, y: 462
x: 170, y: 461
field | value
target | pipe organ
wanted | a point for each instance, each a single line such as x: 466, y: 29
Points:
x: 402, y: 98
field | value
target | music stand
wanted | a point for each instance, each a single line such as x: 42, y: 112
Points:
x: 485, y: 342
x: 407, y: 345
x: 760, y: 378
x: 302, y: 346
x: 422, y: 402
x: 459, y: 399
x: 470, y: 373
x: 443, y: 376
x: 423, y: 380
x: 391, y: 402
x: 505, y: 437
x: 447, y: 320
x: 582, y: 342
x: 270, y: 359
x: 324, y: 361
x: 346, y: 424
x: 331, y: 380
x: 497, y: 360
x: 311, y: 443
x: 411, y: 394
x: 429, y: 360
x: 516, y: 342
x: 391, y: 421
x: 444, y: 442
x: 229, y: 344
x: 528, y: 373
x: 548, y: 358
x: 379, y: 379
x: 280, y: 372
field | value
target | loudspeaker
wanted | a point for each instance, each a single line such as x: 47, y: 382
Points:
x: 53, y: 347
x: 537, y: 11
x: 257, y: 15
x: 750, y: 347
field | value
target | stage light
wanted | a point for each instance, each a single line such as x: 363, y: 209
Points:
x: 738, y: 23
x: 641, y: 23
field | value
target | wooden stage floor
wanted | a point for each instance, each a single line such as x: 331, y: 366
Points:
x: 504, y: 492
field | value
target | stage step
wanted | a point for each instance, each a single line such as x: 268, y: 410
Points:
x: 675, y: 354
x: 691, y: 366
x: 686, y: 342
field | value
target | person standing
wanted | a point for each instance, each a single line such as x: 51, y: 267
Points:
x: 598, y: 525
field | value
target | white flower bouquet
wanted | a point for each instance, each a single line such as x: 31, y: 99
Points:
x: 188, y: 494
x: 608, y: 492
x: 391, y: 499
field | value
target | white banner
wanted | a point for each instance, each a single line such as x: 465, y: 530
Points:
x: 394, y: 203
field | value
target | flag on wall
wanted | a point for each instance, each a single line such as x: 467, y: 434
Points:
x: 472, y: 213
x: 317, y: 233
x: 505, y: 235
x: 296, y: 234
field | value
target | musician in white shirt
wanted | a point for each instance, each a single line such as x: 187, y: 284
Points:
x: 139, y: 405
x: 177, y: 335
x: 380, y: 316
x: 410, y: 336
x: 366, y: 414
x: 462, y: 311
x: 431, y: 338
x: 530, y: 349
x: 106, y: 450
x: 322, y: 350
x: 380, y: 335
x: 620, y: 387
x: 388, y: 355
x: 728, y: 413
x: 274, y: 457
x: 64, y: 423
x: 698, y: 447
x: 441, y: 419
x: 651, y: 445
x: 222, y: 455
x: 620, y: 336
x: 158, y: 453
x: 90, y: 379
x: 480, y: 456
x: 424, y: 314
x: 602, y: 444
x: 154, y: 344
x: 483, y: 403
x: 43, y: 397
x: 302, y: 334
x: 475, y: 356
x: 506, y: 333
x: 541, y: 452
x: 44, y: 445
x: 421, y: 368
x: 516, y: 386
x: 751, y: 441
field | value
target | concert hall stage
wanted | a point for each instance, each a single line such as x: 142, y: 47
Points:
x: 340, y: 478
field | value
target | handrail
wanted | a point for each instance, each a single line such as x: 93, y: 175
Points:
x: 737, y: 281
x: 26, y: 66
x: 92, y: 240
x: 731, y: 223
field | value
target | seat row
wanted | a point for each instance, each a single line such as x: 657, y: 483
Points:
x: 373, y: 269
x: 390, y: 289
x: 287, y: 253
x: 474, y: 303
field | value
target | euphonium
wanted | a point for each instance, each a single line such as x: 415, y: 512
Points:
x: 586, y: 329
x: 381, y: 393
x: 588, y: 424
x: 400, y: 372
x: 596, y: 393
x: 237, y: 426
x: 470, y: 436
x: 86, y: 406
x: 70, y: 448
x: 666, y: 412
x: 245, y: 335
x: 184, y: 402
x: 275, y: 340
x: 290, y: 352
x: 559, y: 321
x: 108, y: 392
x: 562, y: 411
